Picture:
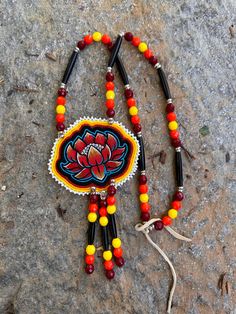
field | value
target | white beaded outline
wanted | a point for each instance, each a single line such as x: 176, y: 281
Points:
x: 61, y: 134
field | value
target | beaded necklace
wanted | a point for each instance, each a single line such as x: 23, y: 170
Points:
x: 94, y: 156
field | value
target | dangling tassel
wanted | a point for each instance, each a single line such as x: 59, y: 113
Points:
x: 92, y: 218
x: 145, y: 229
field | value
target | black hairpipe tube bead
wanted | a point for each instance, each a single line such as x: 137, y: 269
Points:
x: 179, y: 169
x: 141, y: 160
x: 105, y: 240
x: 70, y: 67
x: 112, y: 226
x: 164, y: 83
x: 122, y: 71
x: 115, y: 51
x: 91, y: 232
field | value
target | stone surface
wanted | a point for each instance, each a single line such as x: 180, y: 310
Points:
x: 41, y: 253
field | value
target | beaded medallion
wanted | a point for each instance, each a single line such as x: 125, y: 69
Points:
x: 91, y: 153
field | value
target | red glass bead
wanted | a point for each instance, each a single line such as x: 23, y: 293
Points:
x: 135, y: 119
x: 111, y: 190
x: 143, y: 188
x: 61, y: 100
x: 60, y: 118
x: 81, y: 44
x: 110, y: 86
x: 117, y: 252
x: 110, y: 113
x: 129, y: 93
x: 148, y: 54
x: 128, y: 36
x: 136, y: 41
x: 176, y: 205
x: 62, y: 92
x: 119, y: 261
x: 145, y: 216
x: 153, y: 60
x: 106, y: 39
x: 94, y: 198
x: 88, y: 39
x: 108, y: 265
x: 60, y: 126
x: 158, y: 225
x: 89, y: 269
x: 137, y: 128
x: 171, y: 116
x: 178, y: 196
x: 110, y: 103
x: 110, y: 274
x: 174, y: 134
x: 103, y: 203
x: 142, y: 179
x: 89, y: 259
x: 110, y: 77
x: 131, y: 102
x: 145, y: 207
x: 166, y: 220
x: 103, y: 211
x: 170, y: 107
x: 93, y: 207
x: 176, y: 143
x: 111, y: 200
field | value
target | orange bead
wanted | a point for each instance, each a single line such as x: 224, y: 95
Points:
x: 110, y: 86
x: 108, y: 265
x: 171, y: 116
x: 131, y: 102
x: 174, y: 134
x: 103, y: 211
x: 145, y: 207
x: 89, y: 259
x: 60, y: 118
x: 135, y: 119
x: 61, y: 100
x: 136, y: 41
x: 93, y: 207
x: 118, y: 252
x: 88, y: 39
x: 110, y: 103
x: 166, y: 220
x: 148, y: 54
x: 176, y: 205
x: 106, y: 39
x: 143, y: 188
x: 111, y: 200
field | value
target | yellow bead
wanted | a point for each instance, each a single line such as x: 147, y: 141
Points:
x: 111, y: 209
x: 97, y: 36
x: 107, y: 255
x: 133, y: 111
x: 143, y: 198
x: 90, y: 249
x: 172, y: 213
x: 142, y: 47
x: 60, y: 109
x: 103, y: 221
x: 116, y: 243
x: 173, y: 125
x: 92, y: 217
x: 110, y: 94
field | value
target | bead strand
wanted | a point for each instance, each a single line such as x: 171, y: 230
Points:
x: 107, y: 254
x: 173, y: 133
x: 116, y: 241
x: 92, y: 218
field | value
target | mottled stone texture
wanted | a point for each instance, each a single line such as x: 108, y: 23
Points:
x: 41, y: 254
